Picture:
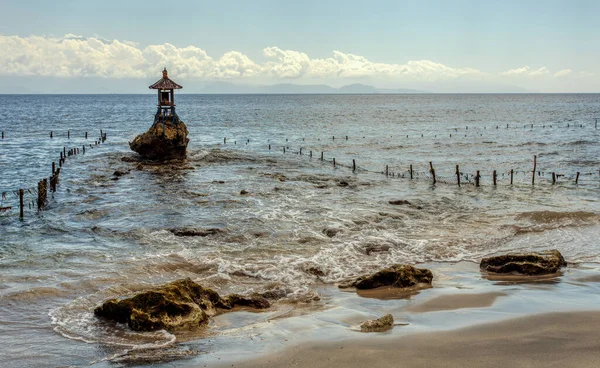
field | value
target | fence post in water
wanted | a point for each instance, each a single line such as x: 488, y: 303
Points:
x: 321, y: 155
x: 300, y: 151
x: 477, y: 179
x: 511, y: 176
x: 411, y: 172
x: 577, y: 178
x: 386, y: 170
x: 353, y: 165
x: 553, y: 178
x: 2, y: 135
x: 283, y: 149
x: 333, y: 138
x: 269, y: 147
x: 533, y: 173
x: 432, y: 170
x: 334, y: 162
x: 85, y: 135
x: 457, y: 176
x: 310, y: 154
x: 53, y: 167
x: 68, y: 134
x: 21, y: 194
x: 83, y: 147
x: 50, y: 134
x: 494, y: 177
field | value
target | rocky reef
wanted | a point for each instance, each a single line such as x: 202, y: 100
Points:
x: 532, y: 263
x: 181, y: 304
x: 399, y: 276
x: 164, y: 140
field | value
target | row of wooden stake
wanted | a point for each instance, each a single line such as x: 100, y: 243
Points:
x: 42, y: 188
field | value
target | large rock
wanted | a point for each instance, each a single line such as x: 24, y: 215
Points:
x: 399, y: 276
x: 533, y: 263
x: 182, y: 304
x: 159, y: 144
x: 377, y: 325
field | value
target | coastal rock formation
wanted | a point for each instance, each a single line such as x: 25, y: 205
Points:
x: 162, y: 141
x: 181, y: 304
x: 533, y: 263
x: 378, y: 325
x: 399, y: 276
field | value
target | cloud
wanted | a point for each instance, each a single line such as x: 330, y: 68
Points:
x: 80, y: 56
x: 541, y: 71
x: 563, y: 73
x: 518, y: 71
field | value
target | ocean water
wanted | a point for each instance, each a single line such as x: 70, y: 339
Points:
x: 303, y: 224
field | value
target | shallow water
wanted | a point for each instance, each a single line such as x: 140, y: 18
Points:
x: 103, y: 238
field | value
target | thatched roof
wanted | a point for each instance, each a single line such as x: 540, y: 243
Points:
x: 165, y: 82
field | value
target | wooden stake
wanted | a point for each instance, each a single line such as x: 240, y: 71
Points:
x: 53, y: 167
x: 477, y: 179
x: 321, y: 155
x: 269, y: 147
x: 2, y: 135
x: 310, y: 154
x: 85, y: 135
x: 300, y: 151
x: 68, y: 134
x: 353, y: 165
x: 21, y: 194
x: 533, y: 173
x: 494, y: 177
x: 457, y: 176
x: 553, y: 178
x: 577, y: 178
x: 431, y: 169
x: 386, y: 170
x: 411, y: 172
x: 334, y: 162
x: 511, y: 176
x: 51, y: 135
x: 283, y: 149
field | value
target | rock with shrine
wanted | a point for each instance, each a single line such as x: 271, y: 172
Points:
x: 167, y: 137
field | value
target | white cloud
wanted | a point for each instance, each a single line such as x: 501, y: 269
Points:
x: 563, y: 73
x: 79, y: 56
x: 541, y: 71
x: 518, y: 71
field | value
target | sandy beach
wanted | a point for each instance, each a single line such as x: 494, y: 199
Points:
x: 547, y: 340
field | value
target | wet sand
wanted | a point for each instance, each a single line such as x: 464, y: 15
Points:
x: 455, y: 301
x: 546, y: 340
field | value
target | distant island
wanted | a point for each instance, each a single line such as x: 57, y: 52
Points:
x: 290, y: 88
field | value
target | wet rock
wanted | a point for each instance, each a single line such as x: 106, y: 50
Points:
x: 243, y: 192
x: 342, y: 183
x: 164, y: 140
x: 274, y: 294
x: 181, y: 304
x: 377, y: 325
x: 376, y: 248
x: 532, y: 263
x: 399, y: 276
x: 187, y: 231
x: 399, y: 202
x: 129, y: 159
x: 254, y: 301
x: 315, y: 271
x: 331, y: 231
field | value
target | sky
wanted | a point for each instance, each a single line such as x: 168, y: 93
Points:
x: 439, y: 46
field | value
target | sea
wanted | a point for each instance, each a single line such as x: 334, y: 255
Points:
x: 319, y: 173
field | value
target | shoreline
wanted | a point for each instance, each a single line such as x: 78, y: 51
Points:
x: 567, y: 339
x: 464, y: 320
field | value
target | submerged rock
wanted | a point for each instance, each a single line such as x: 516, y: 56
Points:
x: 378, y: 325
x: 399, y: 202
x: 187, y: 231
x: 399, y: 276
x: 163, y: 140
x: 181, y: 304
x: 533, y: 263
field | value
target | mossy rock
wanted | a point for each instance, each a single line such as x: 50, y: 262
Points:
x: 399, y: 276
x: 181, y: 304
x: 532, y: 263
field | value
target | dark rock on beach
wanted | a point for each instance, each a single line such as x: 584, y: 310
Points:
x: 399, y: 276
x: 162, y: 141
x: 187, y: 231
x: 399, y: 202
x: 378, y: 325
x: 181, y: 304
x: 532, y: 263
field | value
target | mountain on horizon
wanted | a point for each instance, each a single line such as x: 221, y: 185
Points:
x: 290, y: 88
